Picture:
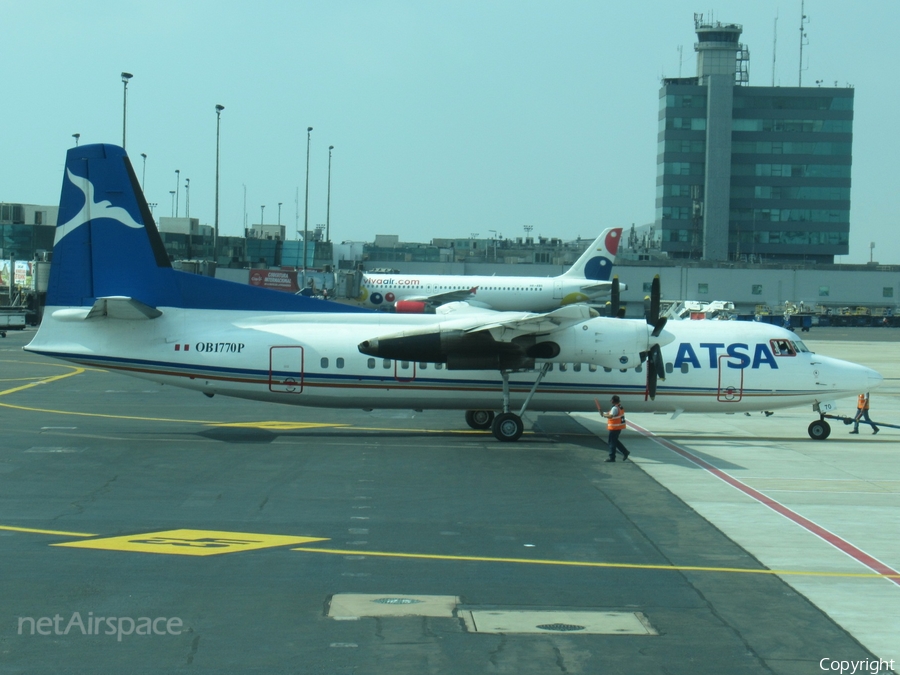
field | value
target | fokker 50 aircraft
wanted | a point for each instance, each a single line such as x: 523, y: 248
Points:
x: 115, y: 302
x: 585, y: 281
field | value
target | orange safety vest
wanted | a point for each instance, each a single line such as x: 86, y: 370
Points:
x: 862, y: 402
x: 617, y: 422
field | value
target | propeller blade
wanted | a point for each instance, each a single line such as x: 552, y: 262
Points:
x: 658, y: 326
x: 651, y: 381
x: 658, y: 365
x: 614, y: 297
x: 654, y: 300
x: 656, y: 370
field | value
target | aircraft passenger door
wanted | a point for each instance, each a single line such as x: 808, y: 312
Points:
x: 557, y: 289
x: 286, y: 370
x: 731, y: 381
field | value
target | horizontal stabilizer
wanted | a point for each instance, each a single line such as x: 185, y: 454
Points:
x: 601, y: 287
x: 119, y: 307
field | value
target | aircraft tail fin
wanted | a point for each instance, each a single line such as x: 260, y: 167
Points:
x: 102, y: 238
x: 596, y: 263
x: 107, y: 246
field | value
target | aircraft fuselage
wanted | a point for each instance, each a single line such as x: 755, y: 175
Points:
x: 314, y: 360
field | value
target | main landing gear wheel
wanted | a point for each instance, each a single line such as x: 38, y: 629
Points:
x: 819, y: 430
x: 480, y: 419
x: 507, y: 427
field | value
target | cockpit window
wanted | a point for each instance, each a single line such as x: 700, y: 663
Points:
x: 799, y: 346
x: 782, y: 348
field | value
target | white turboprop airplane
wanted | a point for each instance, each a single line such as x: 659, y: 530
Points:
x: 115, y: 302
x: 588, y: 279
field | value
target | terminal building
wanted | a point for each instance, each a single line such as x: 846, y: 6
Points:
x: 751, y: 173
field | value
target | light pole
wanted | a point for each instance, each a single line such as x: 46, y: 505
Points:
x: 262, y: 210
x: 125, y: 78
x: 172, y: 192
x: 279, y: 213
x: 328, y: 206
x: 187, y: 197
x: 144, y: 173
x: 219, y: 109
x: 306, y: 208
x: 76, y: 137
x: 177, y: 189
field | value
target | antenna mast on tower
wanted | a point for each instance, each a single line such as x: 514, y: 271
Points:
x: 803, y: 41
x: 774, y: 46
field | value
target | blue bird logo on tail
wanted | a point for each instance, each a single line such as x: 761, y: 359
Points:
x: 92, y: 210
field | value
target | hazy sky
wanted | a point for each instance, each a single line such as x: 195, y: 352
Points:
x: 448, y: 118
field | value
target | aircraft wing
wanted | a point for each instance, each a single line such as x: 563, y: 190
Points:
x: 443, y: 298
x: 501, y: 326
x: 486, y: 340
x: 505, y: 329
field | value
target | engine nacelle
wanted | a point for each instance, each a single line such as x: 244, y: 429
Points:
x: 458, y: 349
x: 412, y: 307
x: 610, y: 343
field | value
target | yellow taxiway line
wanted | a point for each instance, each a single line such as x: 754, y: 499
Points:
x: 516, y: 561
x: 32, y: 530
x: 582, y: 563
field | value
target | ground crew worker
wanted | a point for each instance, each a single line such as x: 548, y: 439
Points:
x: 862, y: 412
x: 615, y: 423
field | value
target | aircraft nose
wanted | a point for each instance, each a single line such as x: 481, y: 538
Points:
x: 874, y: 379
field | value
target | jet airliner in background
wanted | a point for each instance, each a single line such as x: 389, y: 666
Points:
x: 586, y: 281
x: 115, y: 302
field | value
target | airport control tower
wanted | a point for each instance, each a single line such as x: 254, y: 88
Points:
x: 751, y: 173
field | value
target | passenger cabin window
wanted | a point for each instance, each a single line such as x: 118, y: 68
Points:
x: 577, y: 367
x: 324, y: 362
x: 782, y: 348
x: 669, y: 368
x: 339, y: 362
x: 370, y: 363
x: 592, y: 368
x: 387, y: 364
x: 685, y: 367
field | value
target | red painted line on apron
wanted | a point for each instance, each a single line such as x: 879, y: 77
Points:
x: 841, y: 544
